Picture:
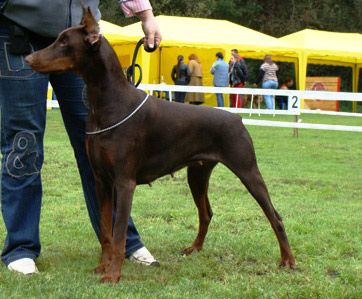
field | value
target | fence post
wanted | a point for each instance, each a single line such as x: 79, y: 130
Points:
x: 295, y: 134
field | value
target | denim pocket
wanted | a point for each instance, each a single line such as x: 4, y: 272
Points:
x: 13, y: 66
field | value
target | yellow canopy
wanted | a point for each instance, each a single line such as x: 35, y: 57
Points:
x: 203, y: 37
x: 323, y: 47
x: 114, y: 33
x: 209, y: 33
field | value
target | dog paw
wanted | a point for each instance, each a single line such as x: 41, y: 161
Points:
x: 100, y: 269
x: 189, y: 250
x: 110, y: 279
x: 286, y: 263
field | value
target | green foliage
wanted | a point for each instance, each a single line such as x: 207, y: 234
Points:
x: 314, y: 182
x: 273, y: 17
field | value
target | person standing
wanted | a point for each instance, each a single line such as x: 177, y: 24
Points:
x: 237, y: 80
x: 235, y: 100
x: 195, y: 68
x: 268, y: 74
x: 27, y: 26
x: 180, y: 76
x: 220, y: 71
x: 235, y: 53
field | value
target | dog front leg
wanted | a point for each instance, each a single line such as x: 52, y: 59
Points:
x: 124, y: 203
x: 105, y: 196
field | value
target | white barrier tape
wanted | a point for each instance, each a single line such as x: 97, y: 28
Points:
x: 320, y: 95
x: 268, y: 123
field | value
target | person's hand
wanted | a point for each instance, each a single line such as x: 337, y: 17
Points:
x: 255, y: 85
x: 150, y: 28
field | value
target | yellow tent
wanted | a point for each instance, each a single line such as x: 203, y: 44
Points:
x: 203, y: 37
x: 323, y: 47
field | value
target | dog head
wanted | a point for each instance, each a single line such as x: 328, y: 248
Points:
x: 71, y: 49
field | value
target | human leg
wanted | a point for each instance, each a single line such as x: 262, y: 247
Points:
x: 269, y: 99
x: 236, y: 98
x: 182, y: 97
x: 220, y: 100
x: 178, y: 97
x: 23, y: 109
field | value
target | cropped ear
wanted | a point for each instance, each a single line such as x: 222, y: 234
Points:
x: 91, y: 26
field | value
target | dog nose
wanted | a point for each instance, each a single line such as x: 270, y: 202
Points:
x: 29, y: 58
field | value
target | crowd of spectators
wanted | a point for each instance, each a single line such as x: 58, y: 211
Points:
x: 233, y: 74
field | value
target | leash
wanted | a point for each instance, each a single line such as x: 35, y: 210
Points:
x: 131, y: 69
x: 122, y: 121
x: 131, y: 79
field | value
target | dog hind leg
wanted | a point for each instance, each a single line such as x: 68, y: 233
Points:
x: 241, y: 160
x: 198, y: 178
x: 256, y: 186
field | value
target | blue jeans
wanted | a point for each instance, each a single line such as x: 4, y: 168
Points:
x: 220, y: 99
x: 269, y: 100
x: 23, y: 95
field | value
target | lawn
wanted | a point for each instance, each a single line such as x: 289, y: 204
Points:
x: 314, y: 182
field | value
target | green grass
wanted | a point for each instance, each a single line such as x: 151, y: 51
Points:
x: 314, y: 182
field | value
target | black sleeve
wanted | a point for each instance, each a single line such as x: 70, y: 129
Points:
x: 240, y: 72
x: 260, y: 76
x: 244, y: 68
x: 173, y: 74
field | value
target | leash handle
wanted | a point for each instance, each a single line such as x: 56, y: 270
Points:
x: 134, y: 65
x: 148, y: 49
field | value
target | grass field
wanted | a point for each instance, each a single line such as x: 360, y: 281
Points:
x: 314, y: 182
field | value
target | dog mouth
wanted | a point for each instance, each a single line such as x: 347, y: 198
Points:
x: 34, y: 63
x: 45, y: 67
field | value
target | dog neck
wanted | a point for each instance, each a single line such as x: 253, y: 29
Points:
x: 110, y: 96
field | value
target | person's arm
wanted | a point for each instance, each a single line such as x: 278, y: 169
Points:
x: 143, y: 10
x: 191, y: 67
x: 188, y: 71
x: 173, y: 74
x: 244, y: 68
x: 213, y: 68
x: 240, y: 71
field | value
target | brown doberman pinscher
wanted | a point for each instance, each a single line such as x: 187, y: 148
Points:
x: 134, y: 139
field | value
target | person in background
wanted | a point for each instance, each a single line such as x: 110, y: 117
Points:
x: 268, y: 75
x: 235, y: 99
x: 180, y: 76
x: 282, y: 101
x: 220, y: 71
x: 195, y: 68
x: 237, y: 80
x: 23, y: 96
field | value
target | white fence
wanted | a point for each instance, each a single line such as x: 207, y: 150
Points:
x: 293, y: 103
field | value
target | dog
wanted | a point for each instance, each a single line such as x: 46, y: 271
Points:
x: 133, y: 139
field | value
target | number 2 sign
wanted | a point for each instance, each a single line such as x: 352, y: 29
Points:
x: 294, y: 105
